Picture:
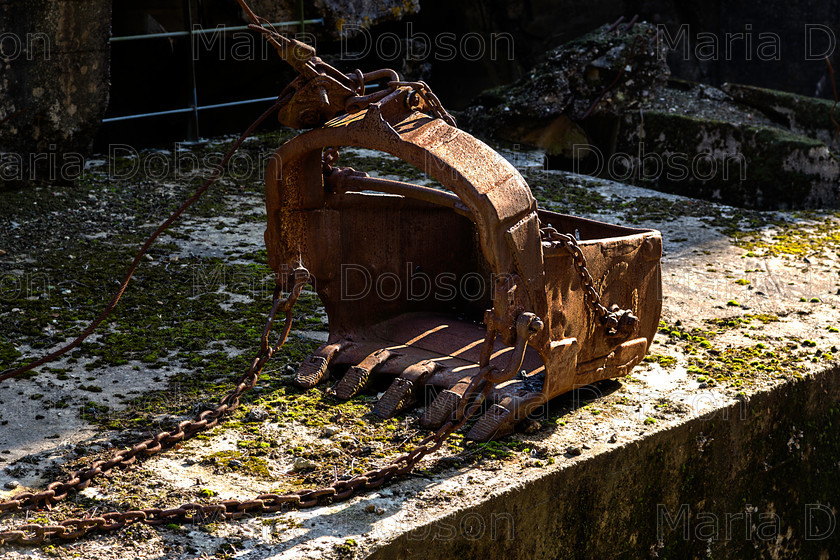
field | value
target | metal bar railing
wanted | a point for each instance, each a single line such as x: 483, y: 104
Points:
x: 194, y: 108
x: 192, y: 134
x: 188, y: 109
x: 202, y: 31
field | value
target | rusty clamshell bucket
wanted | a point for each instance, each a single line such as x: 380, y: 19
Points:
x: 408, y: 277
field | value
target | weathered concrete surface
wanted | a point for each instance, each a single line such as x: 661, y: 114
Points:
x: 806, y: 116
x: 54, y: 73
x: 744, y: 151
x: 718, y: 157
x: 732, y: 414
x: 756, y: 479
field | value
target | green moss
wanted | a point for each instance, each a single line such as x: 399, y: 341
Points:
x: 819, y: 234
x: 664, y: 361
x: 239, y: 462
x: 382, y: 164
x: 581, y: 196
x: 772, y: 357
x: 8, y: 355
x: 765, y: 318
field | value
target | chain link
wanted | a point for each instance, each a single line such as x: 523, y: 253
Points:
x: 616, y: 320
x: 73, y: 528
x: 549, y: 233
x: 430, y: 98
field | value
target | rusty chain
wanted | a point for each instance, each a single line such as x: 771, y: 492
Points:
x: 424, y: 91
x: 73, y: 528
x: 328, y: 159
x: 579, y: 260
x: 57, y: 491
x: 616, y: 320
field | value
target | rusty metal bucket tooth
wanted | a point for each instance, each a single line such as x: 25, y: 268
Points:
x: 495, y: 423
x: 440, y: 409
x: 353, y: 382
x: 315, y: 368
x: 311, y: 372
x: 358, y: 377
x: 398, y: 397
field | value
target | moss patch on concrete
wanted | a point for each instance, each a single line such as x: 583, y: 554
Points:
x: 813, y: 234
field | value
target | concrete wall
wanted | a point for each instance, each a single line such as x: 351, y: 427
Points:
x: 54, y: 80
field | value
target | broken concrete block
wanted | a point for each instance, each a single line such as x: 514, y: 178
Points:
x: 808, y: 116
x: 728, y: 156
x: 600, y: 74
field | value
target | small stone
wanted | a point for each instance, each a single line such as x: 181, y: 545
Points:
x: 380, y: 511
x: 573, y: 451
x: 2, y: 253
x: 256, y: 414
x: 234, y: 463
x: 531, y: 427
x: 11, y: 485
x: 585, y: 446
x: 613, y: 438
x: 289, y: 369
x: 302, y: 464
x: 370, y: 508
x: 330, y: 431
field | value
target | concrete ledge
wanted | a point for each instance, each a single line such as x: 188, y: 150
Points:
x: 755, y: 479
